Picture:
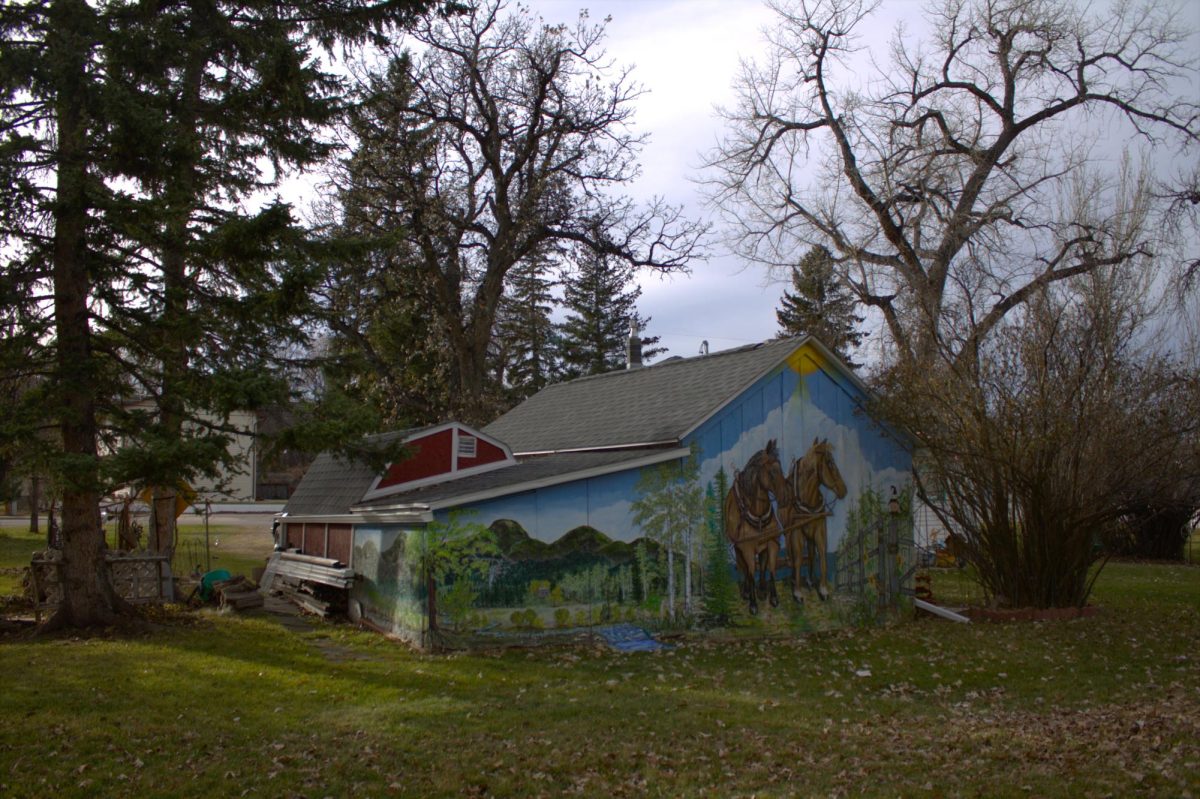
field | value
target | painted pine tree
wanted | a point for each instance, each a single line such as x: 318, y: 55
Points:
x: 647, y: 566
x: 720, y: 590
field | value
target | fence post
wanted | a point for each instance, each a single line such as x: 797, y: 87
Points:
x: 207, y: 548
x: 889, y: 550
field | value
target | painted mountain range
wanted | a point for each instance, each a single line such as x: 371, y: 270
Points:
x: 517, y: 545
x: 523, y: 560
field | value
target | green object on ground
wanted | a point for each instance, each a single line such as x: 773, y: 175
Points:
x: 211, y: 578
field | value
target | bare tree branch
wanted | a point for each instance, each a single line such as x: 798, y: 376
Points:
x: 957, y: 157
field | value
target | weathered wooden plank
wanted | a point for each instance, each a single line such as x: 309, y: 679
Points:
x: 938, y: 610
x: 299, y: 557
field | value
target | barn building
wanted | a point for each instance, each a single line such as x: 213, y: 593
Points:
x: 603, y: 500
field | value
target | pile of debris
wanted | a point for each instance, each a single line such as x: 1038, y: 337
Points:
x: 237, y: 593
x: 320, y: 586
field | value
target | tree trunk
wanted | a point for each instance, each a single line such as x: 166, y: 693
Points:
x: 431, y: 604
x: 34, y: 500
x: 671, y: 583
x: 180, y: 197
x: 127, y: 540
x: 161, y: 535
x: 88, y: 598
x: 669, y: 540
x: 687, y: 572
x: 1159, y: 534
x: 53, y: 533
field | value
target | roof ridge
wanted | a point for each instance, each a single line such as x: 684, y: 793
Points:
x: 660, y: 403
x: 677, y: 360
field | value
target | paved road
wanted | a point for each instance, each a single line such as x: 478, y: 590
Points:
x: 247, y: 521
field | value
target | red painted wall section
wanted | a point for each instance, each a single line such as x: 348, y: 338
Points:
x: 314, y: 540
x: 431, y: 456
x: 339, y: 542
x: 485, y: 453
x: 295, y: 536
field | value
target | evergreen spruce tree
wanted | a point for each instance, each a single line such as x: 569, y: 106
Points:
x: 819, y: 305
x: 526, y: 338
x: 132, y: 136
x: 220, y: 88
x: 720, y: 588
x: 384, y: 316
x: 600, y: 298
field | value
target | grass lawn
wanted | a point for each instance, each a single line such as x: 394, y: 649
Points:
x: 230, y: 547
x: 16, y: 547
x: 236, y: 547
x: 210, y: 705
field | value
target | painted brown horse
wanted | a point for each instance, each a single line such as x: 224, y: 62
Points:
x: 750, y: 522
x: 803, y: 513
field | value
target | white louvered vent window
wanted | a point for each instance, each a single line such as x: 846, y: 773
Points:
x: 466, y: 446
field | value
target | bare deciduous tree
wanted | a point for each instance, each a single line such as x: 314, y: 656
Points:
x: 524, y: 136
x: 945, y: 180
x: 1067, y: 424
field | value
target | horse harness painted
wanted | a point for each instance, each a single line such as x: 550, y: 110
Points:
x: 806, y: 513
x: 758, y: 521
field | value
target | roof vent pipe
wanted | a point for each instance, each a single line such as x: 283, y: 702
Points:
x: 633, y: 348
x: 704, y: 347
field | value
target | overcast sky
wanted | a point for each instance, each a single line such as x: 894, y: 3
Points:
x: 685, y: 54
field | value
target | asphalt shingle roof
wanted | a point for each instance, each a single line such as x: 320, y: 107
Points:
x: 656, y: 403
x: 333, y: 484
x: 527, y: 470
x: 330, y: 486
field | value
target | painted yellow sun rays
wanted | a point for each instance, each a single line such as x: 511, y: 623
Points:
x: 807, y: 360
x: 804, y: 361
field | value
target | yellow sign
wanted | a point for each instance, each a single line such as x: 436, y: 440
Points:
x: 185, y: 495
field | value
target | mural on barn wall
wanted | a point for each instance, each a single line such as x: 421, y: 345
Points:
x: 638, y: 544
x: 390, y: 592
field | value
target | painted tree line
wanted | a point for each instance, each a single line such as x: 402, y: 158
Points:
x: 687, y: 521
x: 153, y: 282
x: 681, y: 568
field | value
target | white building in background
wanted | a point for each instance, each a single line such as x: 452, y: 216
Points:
x: 238, y: 482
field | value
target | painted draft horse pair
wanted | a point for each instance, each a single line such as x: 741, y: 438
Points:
x: 750, y: 519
